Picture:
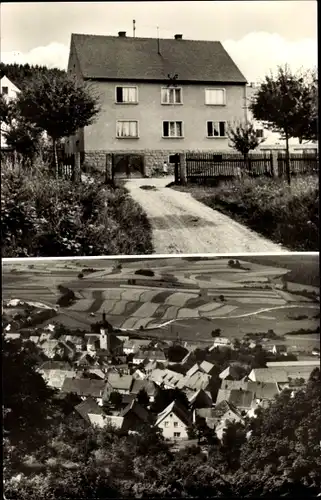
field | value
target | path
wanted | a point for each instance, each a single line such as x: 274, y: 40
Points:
x: 182, y: 224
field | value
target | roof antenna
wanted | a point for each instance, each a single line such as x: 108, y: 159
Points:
x: 158, y: 49
x: 134, y: 27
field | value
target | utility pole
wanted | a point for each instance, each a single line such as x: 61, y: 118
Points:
x: 158, y: 48
x: 134, y: 27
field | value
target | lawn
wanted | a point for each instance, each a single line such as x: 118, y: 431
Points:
x: 45, y: 217
x: 285, y: 215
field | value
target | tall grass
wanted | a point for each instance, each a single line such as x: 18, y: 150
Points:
x: 45, y: 217
x: 286, y: 215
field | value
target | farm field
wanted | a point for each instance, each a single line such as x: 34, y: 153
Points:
x: 187, y: 297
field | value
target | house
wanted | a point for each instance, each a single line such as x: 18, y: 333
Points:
x: 55, y: 378
x: 174, y: 421
x: 219, y: 416
x: 276, y: 349
x: 88, y: 406
x: 195, y: 382
x: 285, y: 373
x: 241, y: 399
x: 199, y: 399
x: 220, y: 342
x: 134, y: 416
x: 131, y: 346
x: 117, y: 383
x: 147, y: 385
x: 85, y: 387
x: 9, y: 90
x: 141, y: 356
x: 230, y: 373
x: 159, y: 97
x: 165, y: 378
x: 261, y: 390
x: 203, y: 367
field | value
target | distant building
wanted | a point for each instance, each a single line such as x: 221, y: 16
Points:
x: 174, y: 421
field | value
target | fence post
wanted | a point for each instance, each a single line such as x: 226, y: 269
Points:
x: 183, y: 170
x: 275, y: 163
x: 109, y: 168
x: 77, y: 170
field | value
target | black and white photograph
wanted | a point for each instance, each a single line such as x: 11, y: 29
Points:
x: 179, y: 377
x: 160, y: 250
x: 159, y: 127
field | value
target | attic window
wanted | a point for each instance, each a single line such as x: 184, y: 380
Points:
x: 5, y: 90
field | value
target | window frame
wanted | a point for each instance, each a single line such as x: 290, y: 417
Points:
x: 7, y: 90
x: 178, y: 434
x: 129, y: 136
x: 172, y: 103
x: 166, y: 424
x: 261, y: 133
x: 216, y: 88
x: 173, y: 136
x: 126, y: 87
x: 175, y: 424
x: 216, y: 136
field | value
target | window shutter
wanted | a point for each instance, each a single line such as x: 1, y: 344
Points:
x: 119, y: 94
x: 209, y: 129
x: 165, y: 129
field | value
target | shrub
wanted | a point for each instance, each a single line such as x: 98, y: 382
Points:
x: 42, y: 216
x: 289, y: 216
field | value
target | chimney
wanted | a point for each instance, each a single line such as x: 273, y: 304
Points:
x: 122, y: 34
x: 178, y: 37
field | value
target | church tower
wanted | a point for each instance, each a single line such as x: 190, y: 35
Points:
x: 103, y: 339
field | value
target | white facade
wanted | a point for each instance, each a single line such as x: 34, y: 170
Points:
x: 10, y: 91
x: 172, y: 427
x: 273, y: 140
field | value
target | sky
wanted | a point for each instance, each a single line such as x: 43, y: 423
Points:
x: 258, y: 35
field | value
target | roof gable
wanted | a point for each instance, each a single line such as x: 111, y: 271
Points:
x: 127, y: 58
x: 179, y: 412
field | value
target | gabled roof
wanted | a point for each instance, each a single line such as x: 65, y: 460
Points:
x: 137, y: 409
x: 84, y: 386
x: 178, y: 410
x: 268, y: 375
x: 219, y: 411
x: 117, y: 381
x: 147, y: 385
x: 88, y: 406
x: 127, y: 58
x: 206, y: 366
x: 192, y: 396
x: 239, y: 398
x: 55, y: 365
x: 230, y: 371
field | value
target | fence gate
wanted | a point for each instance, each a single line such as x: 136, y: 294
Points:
x: 128, y: 165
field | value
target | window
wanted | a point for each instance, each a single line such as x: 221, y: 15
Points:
x: 126, y: 95
x: 175, y: 424
x: 5, y: 90
x: 127, y: 129
x: 259, y: 133
x: 166, y: 424
x: 172, y: 129
x: 171, y: 95
x: 177, y: 434
x: 215, y: 129
x: 215, y: 97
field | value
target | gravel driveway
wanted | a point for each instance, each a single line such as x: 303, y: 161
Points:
x: 182, y: 224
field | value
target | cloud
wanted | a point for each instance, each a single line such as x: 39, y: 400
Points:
x: 54, y: 55
x: 255, y: 54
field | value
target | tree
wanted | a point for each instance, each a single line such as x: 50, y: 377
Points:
x: 216, y: 333
x: 59, y: 105
x: 115, y: 399
x: 286, y: 103
x: 24, y: 138
x: 244, y: 139
x: 142, y: 398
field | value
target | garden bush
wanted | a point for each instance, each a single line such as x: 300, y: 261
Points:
x: 42, y: 216
x: 285, y: 215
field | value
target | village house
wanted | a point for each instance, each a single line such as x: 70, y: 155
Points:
x: 159, y: 97
x: 220, y: 342
x: 142, y: 356
x: 147, y: 385
x: 9, y: 90
x: 241, y: 399
x: 174, y: 421
x: 199, y: 399
x: 117, y: 383
x: 84, y: 387
x: 219, y: 416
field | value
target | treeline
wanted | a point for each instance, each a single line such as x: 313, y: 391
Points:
x: 21, y: 73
